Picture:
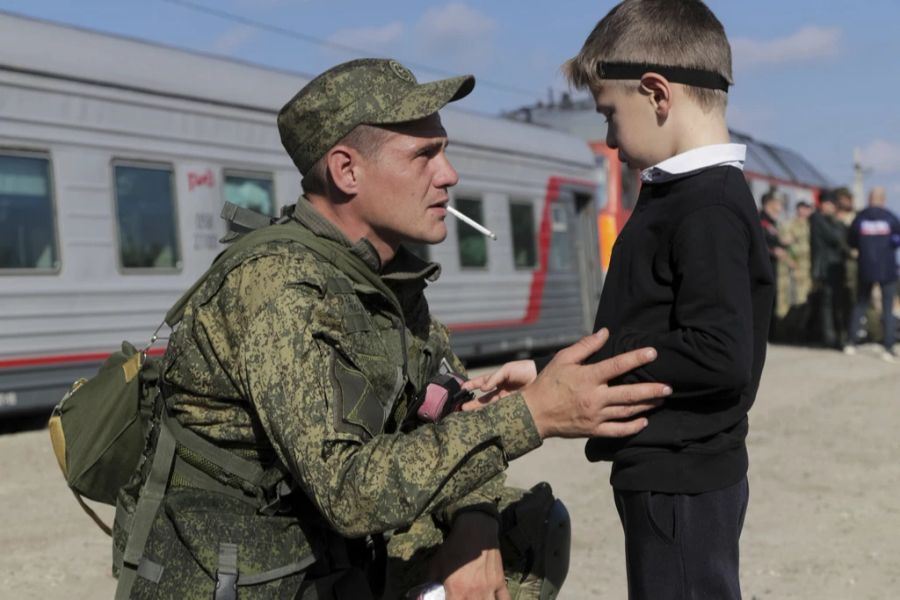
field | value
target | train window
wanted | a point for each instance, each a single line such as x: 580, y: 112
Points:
x: 472, y: 244
x: 27, y: 222
x: 561, y: 242
x: 145, y: 214
x: 250, y: 190
x: 521, y: 216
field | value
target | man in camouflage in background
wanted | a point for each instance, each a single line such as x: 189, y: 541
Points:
x: 795, y: 233
x: 306, y: 365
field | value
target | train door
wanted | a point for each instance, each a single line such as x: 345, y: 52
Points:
x: 575, y: 250
x: 587, y: 253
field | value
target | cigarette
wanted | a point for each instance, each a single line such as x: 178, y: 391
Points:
x: 477, y: 226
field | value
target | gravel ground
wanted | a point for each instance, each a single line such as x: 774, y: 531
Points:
x: 824, y: 517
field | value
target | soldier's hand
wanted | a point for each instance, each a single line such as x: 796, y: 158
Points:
x: 569, y: 399
x: 469, y: 563
x: 504, y: 381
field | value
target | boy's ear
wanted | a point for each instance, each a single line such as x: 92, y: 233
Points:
x: 659, y: 91
x: 343, y: 166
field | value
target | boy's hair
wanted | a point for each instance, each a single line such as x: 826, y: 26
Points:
x: 676, y: 33
x: 366, y: 139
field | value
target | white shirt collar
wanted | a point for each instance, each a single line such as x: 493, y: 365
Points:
x: 698, y: 159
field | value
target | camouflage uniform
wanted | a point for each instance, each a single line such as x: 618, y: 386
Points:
x: 796, y: 233
x: 309, y: 371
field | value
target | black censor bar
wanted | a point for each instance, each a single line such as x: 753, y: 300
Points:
x: 686, y: 75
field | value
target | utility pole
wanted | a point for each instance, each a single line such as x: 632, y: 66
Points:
x: 859, y: 189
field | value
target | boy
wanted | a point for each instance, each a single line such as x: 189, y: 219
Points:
x: 690, y: 275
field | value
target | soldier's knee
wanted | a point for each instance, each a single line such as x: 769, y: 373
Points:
x: 541, y: 531
x: 557, y: 544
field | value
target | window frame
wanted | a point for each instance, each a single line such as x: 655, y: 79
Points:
x: 459, y: 223
x: 530, y: 204
x: 147, y: 164
x: 251, y: 174
x: 54, y: 212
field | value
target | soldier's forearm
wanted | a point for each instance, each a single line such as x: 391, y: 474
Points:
x: 442, y: 464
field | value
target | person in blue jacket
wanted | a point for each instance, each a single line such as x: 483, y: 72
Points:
x: 875, y: 232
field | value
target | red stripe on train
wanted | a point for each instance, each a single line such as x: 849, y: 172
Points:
x: 57, y: 359
x: 539, y: 278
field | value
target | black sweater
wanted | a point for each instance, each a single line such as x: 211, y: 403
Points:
x: 690, y: 275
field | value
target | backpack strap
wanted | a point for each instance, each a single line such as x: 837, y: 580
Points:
x: 149, y: 501
x: 329, y: 250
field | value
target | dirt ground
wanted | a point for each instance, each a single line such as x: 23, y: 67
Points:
x: 823, y: 523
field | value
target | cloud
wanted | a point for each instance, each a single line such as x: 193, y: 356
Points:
x: 231, y: 40
x: 881, y: 156
x: 809, y: 43
x: 370, y: 39
x: 456, y: 34
x: 455, y: 20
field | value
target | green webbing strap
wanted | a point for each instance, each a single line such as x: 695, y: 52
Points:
x: 227, y: 572
x: 150, y: 570
x: 277, y: 573
x: 330, y: 251
x: 145, y: 512
x: 250, y: 472
x: 244, y: 218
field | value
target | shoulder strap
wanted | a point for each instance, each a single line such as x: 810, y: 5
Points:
x: 326, y: 249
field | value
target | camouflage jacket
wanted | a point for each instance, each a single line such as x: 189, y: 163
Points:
x: 290, y: 355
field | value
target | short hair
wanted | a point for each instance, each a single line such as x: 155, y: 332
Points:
x: 682, y: 33
x: 366, y: 139
x: 827, y: 196
x: 770, y: 196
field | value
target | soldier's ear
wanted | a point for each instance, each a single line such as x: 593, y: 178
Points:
x: 343, y: 169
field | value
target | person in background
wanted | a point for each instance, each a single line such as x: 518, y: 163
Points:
x: 875, y: 233
x: 782, y: 263
x: 795, y: 233
x: 828, y: 251
x: 846, y: 212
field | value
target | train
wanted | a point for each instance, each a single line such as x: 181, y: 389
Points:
x: 116, y: 156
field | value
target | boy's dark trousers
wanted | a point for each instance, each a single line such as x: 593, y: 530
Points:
x: 683, y: 546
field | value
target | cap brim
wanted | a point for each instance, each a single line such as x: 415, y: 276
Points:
x: 428, y: 98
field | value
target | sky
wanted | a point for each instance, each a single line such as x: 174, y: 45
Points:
x: 820, y: 78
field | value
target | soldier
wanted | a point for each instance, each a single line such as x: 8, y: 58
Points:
x: 299, y: 370
x: 796, y: 234
x: 782, y: 263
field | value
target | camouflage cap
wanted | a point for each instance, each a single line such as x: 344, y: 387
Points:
x: 367, y: 91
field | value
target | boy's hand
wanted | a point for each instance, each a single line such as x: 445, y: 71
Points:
x: 507, y: 379
x: 568, y: 399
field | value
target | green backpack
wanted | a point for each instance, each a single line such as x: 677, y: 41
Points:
x: 99, y: 429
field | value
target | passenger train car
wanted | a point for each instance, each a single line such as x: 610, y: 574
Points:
x: 116, y: 156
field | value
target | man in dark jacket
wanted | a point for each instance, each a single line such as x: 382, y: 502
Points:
x: 875, y: 232
x: 828, y: 248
